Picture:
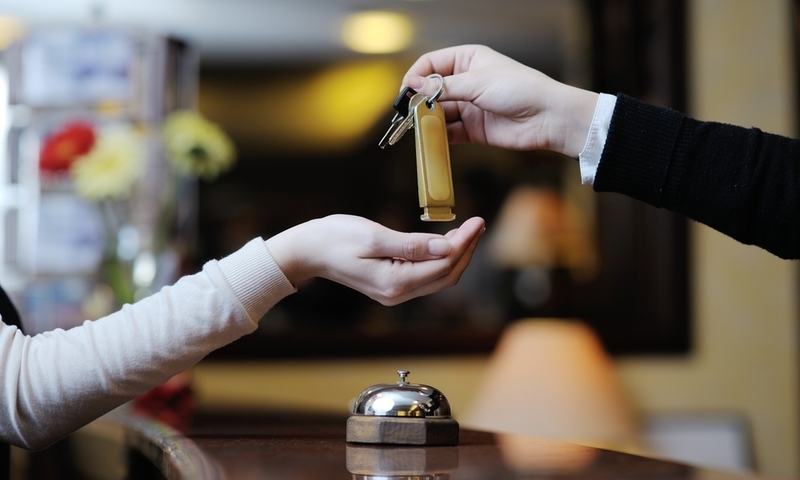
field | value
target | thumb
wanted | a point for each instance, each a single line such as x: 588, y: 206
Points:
x: 458, y: 87
x: 416, y: 246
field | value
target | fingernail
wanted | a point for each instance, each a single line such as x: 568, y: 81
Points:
x: 438, y: 247
x: 416, y: 82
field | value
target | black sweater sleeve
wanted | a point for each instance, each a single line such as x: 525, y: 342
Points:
x: 740, y: 181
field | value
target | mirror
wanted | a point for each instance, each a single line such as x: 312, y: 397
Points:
x: 308, y: 131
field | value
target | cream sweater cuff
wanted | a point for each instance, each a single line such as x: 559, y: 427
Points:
x: 255, y: 278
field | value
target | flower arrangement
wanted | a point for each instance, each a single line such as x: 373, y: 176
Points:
x: 110, y: 168
x: 196, y: 146
x: 65, y: 145
x: 105, y: 163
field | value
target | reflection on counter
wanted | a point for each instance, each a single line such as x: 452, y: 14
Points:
x: 396, y: 463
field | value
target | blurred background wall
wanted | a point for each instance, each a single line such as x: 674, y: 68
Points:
x: 741, y: 71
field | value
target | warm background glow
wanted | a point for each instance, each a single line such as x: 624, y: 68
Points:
x: 327, y: 111
x: 377, y: 32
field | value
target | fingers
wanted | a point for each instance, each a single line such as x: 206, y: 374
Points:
x: 450, y: 278
x: 427, y: 85
x: 452, y: 103
x: 446, y: 61
x: 467, y: 231
x: 413, y: 246
x: 464, y: 241
x: 460, y: 87
x: 423, y: 246
x: 439, y: 61
x: 366, y: 256
x: 423, y: 278
x: 455, y: 64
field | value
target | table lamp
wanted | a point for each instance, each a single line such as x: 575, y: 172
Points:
x: 551, y: 378
x: 541, y: 232
x: 539, y: 226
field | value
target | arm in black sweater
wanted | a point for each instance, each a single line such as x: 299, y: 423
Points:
x: 740, y: 181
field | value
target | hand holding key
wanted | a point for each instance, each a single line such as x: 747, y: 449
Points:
x: 434, y: 178
x: 493, y: 100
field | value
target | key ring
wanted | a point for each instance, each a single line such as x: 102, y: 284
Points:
x: 438, y: 94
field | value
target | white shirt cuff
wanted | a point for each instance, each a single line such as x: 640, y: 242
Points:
x: 589, y: 158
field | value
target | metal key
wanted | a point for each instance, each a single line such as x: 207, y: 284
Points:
x: 408, y: 122
x: 400, y: 125
x: 402, y: 121
x: 403, y: 99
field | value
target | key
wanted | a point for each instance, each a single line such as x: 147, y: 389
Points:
x: 401, y: 122
x: 401, y: 102
x: 434, y: 176
x: 408, y: 122
x: 400, y: 125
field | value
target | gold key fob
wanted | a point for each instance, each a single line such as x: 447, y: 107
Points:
x: 434, y: 177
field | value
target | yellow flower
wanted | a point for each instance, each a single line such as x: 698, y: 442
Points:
x: 112, y: 166
x: 197, y: 146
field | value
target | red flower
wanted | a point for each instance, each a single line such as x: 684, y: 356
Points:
x: 173, y: 406
x: 64, y: 146
x: 171, y: 403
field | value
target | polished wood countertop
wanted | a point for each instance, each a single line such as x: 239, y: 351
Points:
x: 310, y: 446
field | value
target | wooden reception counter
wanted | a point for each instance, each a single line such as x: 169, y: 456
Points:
x: 308, y: 446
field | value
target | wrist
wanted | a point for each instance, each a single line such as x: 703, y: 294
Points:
x: 287, y: 251
x: 576, y: 110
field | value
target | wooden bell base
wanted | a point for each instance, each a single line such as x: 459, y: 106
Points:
x: 402, y: 430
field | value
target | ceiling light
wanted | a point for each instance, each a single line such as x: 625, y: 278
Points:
x: 377, y: 32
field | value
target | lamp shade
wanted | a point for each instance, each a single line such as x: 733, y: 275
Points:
x: 553, y: 379
x: 541, y: 227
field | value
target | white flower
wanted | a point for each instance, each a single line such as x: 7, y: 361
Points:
x: 197, y: 146
x: 112, y: 166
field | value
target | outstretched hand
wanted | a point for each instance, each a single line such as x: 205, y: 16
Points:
x: 490, y: 99
x: 388, y: 266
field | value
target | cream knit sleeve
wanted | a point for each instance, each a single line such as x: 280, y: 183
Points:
x: 56, y: 382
